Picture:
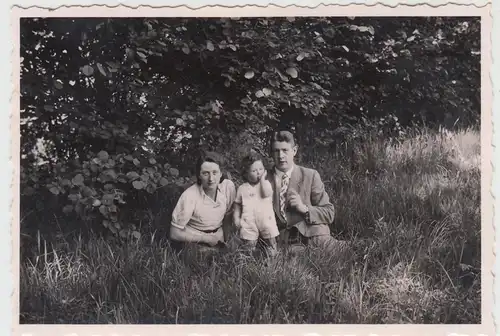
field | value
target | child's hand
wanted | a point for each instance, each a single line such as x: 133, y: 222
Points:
x: 237, y: 224
x: 266, y: 188
x: 263, y: 177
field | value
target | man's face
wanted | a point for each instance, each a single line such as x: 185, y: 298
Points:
x: 283, y: 154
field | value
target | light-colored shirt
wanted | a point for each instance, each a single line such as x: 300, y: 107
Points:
x: 197, y: 210
x: 278, y: 175
x: 254, y: 205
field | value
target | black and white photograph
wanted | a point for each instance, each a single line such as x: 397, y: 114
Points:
x: 250, y: 170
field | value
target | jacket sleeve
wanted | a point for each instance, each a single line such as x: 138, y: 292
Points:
x: 321, y: 210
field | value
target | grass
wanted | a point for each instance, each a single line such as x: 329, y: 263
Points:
x: 410, y: 209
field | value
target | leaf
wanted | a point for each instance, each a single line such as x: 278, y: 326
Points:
x: 88, y: 192
x: 249, y: 74
x: 101, y: 69
x: 123, y: 233
x: 136, y: 162
x: 152, y: 161
x: 103, y: 156
x: 54, y: 190
x: 345, y: 48
x: 96, y: 203
x: 292, y: 72
x: 108, y: 175
x: 28, y: 191
x: 103, y: 210
x: 108, y: 186
x: 110, y: 163
x: 210, y: 46
x: 319, y: 39
x: 150, y: 189
x: 58, y: 84
x: 163, y: 181
x: 267, y: 92
x: 78, y: 179
x: 138, y: 184
x: 300, y: 56
x: 363, y: 29
x: 87, y: 70
x: 174, y: 172
x: 246, y: 100
x: 136, y: 234
x: 106, y: 223
x: 283, y: 77
x: 411, y: 38
x: 259, y: 94
x: 66, y: 183
x: 67, y: 209
x: 290, y: 19
x: 74, y: 197
x: 186, y: 50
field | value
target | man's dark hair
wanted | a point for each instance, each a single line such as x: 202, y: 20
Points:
x: 281, y: 136
x: 209, y: 157
x: 247, y: 161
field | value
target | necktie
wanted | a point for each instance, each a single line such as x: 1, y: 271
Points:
x: 284, y: 187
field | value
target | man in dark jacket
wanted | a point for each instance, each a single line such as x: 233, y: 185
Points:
x: 302, y: 207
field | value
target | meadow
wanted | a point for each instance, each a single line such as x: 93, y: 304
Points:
x: 410, y: 209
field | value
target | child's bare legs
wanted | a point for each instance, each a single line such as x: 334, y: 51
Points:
x: 249, y: 246
x: 270, y: 246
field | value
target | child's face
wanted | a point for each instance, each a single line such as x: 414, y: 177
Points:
x: 255, y: 171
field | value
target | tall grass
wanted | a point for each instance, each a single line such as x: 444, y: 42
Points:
x: 410, y: 209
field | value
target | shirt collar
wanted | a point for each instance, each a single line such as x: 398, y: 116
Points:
x: 279, y: 173
x: 220, y: 194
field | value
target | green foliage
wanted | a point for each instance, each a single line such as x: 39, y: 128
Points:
x: 105, y: 101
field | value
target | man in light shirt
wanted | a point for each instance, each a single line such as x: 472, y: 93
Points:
x: 302, y: 207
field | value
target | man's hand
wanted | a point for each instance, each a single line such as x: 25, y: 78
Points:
x: 295, y: 202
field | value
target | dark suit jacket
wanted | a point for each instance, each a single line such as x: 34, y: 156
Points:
x: 311, y: 189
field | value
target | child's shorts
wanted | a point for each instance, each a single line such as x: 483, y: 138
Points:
x: 258, y: 224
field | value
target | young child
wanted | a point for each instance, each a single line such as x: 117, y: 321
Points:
x: 253, y: 207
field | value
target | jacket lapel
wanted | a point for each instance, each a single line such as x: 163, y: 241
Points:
x: 295, y: 179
